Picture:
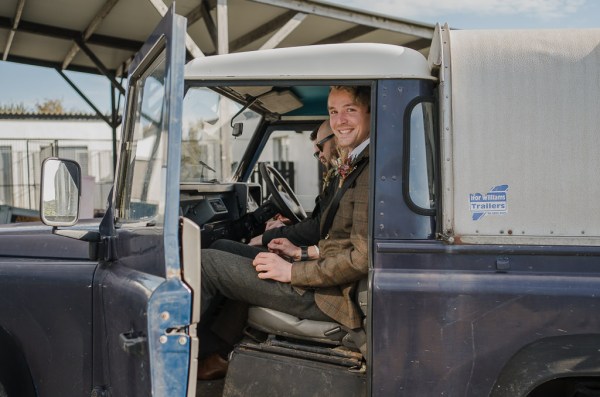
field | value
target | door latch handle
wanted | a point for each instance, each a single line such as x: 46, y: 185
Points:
x: 133, y: 343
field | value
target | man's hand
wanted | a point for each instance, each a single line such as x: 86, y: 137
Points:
x: 256, y: 241
x: 272, y: 266
x: 283, y: 246
x: 283, y: 219
x: 272, y: 224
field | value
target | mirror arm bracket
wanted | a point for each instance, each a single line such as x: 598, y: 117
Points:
x: 84, y: 235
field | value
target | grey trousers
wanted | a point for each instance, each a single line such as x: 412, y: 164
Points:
x: 226, y: 275
x: 235, y: 247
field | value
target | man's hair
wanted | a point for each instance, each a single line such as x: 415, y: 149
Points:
x: 360, y: 93
x: 313, y: 133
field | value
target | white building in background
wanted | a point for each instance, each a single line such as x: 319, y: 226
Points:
x: 27, y: 139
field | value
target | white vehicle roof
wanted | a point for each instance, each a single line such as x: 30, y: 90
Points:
x: 331, y: 61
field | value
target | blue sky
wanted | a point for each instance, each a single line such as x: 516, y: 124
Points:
x: 30, y: 85
x: 491, y: 14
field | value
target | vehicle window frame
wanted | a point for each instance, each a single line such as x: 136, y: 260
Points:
x: 261, y: 135
x: 157, y: 56
x: 406, y: 169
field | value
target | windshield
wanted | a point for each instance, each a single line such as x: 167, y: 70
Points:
x: 209, y: 152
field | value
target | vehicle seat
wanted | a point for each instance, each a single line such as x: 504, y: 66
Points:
x: 332, y: 333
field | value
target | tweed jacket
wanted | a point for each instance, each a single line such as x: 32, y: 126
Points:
x: 343, y: 257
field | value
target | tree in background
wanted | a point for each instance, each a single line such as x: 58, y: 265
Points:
x: 50, y: 106
x: 13, y: 108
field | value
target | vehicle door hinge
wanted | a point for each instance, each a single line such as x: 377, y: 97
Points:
x: 107, y: 248
x: 448, y: 237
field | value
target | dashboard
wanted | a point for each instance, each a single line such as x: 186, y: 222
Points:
x: 225, y: 210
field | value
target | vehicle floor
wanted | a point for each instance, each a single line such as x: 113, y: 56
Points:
x: 210, y: 388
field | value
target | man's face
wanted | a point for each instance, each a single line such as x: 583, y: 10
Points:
x: 328, y: 146
x: 349, y: 121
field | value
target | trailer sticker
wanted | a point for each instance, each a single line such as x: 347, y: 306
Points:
x: 492, y: 203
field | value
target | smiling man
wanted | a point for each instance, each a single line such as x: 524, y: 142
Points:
x: 349, y: 116
x: 320, y: 289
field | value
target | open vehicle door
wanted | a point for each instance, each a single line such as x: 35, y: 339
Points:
x: 143, y: 309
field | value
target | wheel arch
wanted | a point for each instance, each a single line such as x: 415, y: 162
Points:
x: 15, y: 374
x: 546, y: 360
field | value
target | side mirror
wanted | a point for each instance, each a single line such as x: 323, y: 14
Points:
x: 61, y: 184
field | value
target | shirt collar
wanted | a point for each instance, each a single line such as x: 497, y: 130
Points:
x: 359, y: 149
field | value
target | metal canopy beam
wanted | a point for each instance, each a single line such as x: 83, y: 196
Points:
x: 68, y: 34
x: 202, y: 11
x: 262, y: 31
x: 190, y: 45
x: 11, y: 34
x: 99, y: 65
x: 358, y: 31
x: 114, y: 120
x: 288, y: 28
x: 209, y: 23
x: 195, y: 15
x: 84, y: 97
x: 222, y: 27
x: 96, y: 21
x: 418, y: 44
x: 49, y: 64
x: 352, y: 16
x: 347, y: 35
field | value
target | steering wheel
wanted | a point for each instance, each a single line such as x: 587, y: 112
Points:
x: 285, y: 199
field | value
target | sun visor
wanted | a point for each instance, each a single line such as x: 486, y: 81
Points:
x: 280, y: 101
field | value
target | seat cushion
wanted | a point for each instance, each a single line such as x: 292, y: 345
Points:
x: 279, y: 323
